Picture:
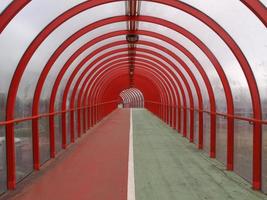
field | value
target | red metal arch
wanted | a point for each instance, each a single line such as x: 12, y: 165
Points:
x: 147, y: 90
x: 102, y: 91
x: 156, y: 83
x: 213, y: 123
x: 108, y: 82
x: 146, y: 63
x: 11, y: 11
x: 140, y: 96
x: 110, y: 59
x: 184, y: 8
x: 258, y: 9
x: 155, y: 76
x: 51, y: 126
x: 206, y: 81
x: 154, y: 60
x: 253, y: 88
x: 158, y: 74
x: 237, y: 53
x: 82, y: 91
x: 68, y: 85
x: 131, y: 96
x: 109, y: 87
x: 136, y: 97
x: 91, y: 54
x: 57, y: 82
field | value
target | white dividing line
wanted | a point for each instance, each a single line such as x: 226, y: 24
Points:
x: 131, y: 185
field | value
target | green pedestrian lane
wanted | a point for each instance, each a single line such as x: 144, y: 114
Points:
x: 168, y: 167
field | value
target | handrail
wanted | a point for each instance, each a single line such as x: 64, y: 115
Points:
x: 238, y: 117
x: 14, y: 121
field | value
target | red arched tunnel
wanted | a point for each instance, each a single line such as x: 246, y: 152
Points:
x: 199, y: 66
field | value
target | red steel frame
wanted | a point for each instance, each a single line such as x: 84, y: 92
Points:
x: 116, y: 56
x: 132, y: 95
x: 10, y: 12
x: 156, y: 82
x: 255, y: 6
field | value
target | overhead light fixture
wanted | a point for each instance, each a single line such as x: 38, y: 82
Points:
x: 132, y: 38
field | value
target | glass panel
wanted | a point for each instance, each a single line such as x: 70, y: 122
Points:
x: 23, y: 141
x: 4, y: 4
x: 243, y: 149
x: 189, y: 80
x: 74, y: 47
x: 178, y: 76
x: 206, y: 132
x: 198, y: 54
x: 58, y: 133
x: 43, y: 53
x: 182, y: 83
x: 23, y: 106
x: 98, y: 45
x: 221, y: 138
x: 2, y: 144
x: 44, y: 137
x: 196, y: 128
x: 264, y: 2
x: 89, y: 71
x: 264, y: 158
x: 252, y: 42
x: 2, y: 160
x: 30, y: 21
x: 213, y: 41
x: 188, y: 62
x: 73, y: 66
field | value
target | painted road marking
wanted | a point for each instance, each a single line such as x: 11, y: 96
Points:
x: 131, y: 185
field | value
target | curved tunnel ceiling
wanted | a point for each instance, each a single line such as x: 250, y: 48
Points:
x: 132, y: 98
x: 193, y: 59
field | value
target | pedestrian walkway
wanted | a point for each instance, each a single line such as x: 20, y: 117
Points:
x: 168, y: 167
x: 95, y: 168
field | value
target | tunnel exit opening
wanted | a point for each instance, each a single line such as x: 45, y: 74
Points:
x: 131, y: 98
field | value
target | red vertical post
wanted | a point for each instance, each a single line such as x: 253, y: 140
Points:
x: 257, y: 155
x: 230, y: 143
x: 11, y: 161
x: 64, y: 135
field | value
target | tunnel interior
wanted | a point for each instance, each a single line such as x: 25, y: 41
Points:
x: 200, y: 66
x: 132, y: 98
